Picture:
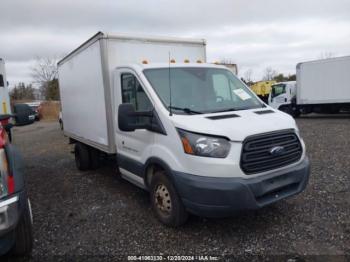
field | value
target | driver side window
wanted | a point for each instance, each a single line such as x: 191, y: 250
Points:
x: 133, y: 93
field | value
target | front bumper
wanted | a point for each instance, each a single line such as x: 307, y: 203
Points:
x: 215, y: 197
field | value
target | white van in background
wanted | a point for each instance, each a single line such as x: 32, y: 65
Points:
x: 189, y: 132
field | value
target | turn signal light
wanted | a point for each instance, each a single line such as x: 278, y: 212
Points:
x: 187, y: 145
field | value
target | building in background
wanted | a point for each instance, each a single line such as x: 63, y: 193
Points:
x: 231, y: 66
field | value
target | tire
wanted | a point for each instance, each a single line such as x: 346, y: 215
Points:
x: 24, y: 234
x: 286, y: 109
x: 290, y: 111
x: 334, y: 110
x: 9, y: 134
x: 295, y: 111
x: 296, y: 114
x: 82, y: 156
x: 166, y: 202
x: 94, y: 158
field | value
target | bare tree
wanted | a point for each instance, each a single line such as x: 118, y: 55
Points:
x: 44, y: 70
x: 269, y: 74
x: 248, y: 75
x: 44, y: 73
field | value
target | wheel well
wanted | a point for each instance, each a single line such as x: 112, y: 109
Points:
x: 150, y: 170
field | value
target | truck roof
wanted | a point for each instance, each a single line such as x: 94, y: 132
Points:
x: 146, y: 38
x: 325, y: 60
x: 173, y: 65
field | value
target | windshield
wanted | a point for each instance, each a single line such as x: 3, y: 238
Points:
x: 278, y: 90
x: 201, y: 90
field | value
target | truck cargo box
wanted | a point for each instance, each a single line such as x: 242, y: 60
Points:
x: 86, y: 83
x: 324, y: 81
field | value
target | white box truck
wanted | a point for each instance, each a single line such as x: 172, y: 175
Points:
x: 189, y: 132
x: 5, y: 107
x: 322, y: 86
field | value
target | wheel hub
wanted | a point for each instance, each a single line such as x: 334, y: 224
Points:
x: 162, y: 199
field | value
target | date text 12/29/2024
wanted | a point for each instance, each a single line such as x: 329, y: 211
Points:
x: 173, y: 258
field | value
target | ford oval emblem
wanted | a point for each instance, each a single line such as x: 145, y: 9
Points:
x: 277, y: 150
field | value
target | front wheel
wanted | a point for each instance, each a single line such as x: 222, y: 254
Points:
x: 165, y: 201
x: 293, y: 111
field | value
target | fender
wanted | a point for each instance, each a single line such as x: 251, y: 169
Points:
x: 16, y: 166
x: 160, y: 162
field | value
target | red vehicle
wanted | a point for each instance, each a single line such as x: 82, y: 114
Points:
x: 15, y: 211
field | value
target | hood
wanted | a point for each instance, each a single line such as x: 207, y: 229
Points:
x: 236, y: 125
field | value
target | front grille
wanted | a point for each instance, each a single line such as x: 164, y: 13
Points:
x: 257, y: 156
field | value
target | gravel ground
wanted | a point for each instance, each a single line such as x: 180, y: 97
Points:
x: 95, y: 214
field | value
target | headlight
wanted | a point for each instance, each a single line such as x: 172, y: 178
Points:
x: 203, y: 145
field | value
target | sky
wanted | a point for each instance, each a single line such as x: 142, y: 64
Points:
x: 255, y: 34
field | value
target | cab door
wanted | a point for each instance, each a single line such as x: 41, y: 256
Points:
x: 278, y: 96
x: 133, y: 148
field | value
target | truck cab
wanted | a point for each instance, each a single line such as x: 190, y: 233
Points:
x: 283, y: 96
x: 208, y: 135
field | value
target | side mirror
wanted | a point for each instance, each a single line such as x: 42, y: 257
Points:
x: 128, y: 119
x: 125, y: 120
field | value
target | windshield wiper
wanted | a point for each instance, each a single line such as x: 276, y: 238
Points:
x: 186, y: 110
